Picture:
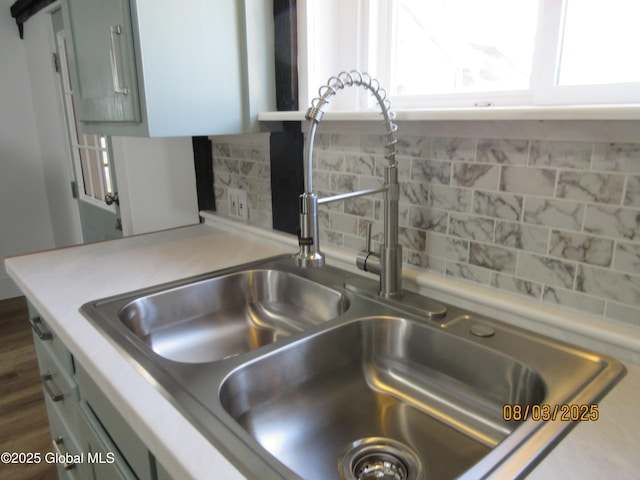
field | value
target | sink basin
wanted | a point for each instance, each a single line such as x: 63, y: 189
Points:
x: 224, y: 316
x: 345, y: 384
x: 437, y: 398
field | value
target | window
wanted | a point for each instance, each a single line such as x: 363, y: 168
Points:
x: 461, y: 46
x: 93, y: 155
x: 466, y: 53
x: 600, y: 43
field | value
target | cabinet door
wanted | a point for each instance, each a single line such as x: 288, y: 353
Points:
x: 102, y: 60
x: 103, y: 456
x: 114, y: 431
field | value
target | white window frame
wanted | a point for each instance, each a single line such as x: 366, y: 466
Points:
x: 546, y: 61
x: 337, y: 35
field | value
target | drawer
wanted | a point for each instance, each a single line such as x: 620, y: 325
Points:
x: 43, y: 335
x: 60, y: 390
x: 126, y: 441
x: 65, y: 446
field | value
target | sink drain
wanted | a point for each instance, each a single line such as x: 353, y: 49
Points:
x: 380, y: 465
x: 378, y: 458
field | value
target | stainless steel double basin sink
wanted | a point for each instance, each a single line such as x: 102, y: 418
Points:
x: 302, y: 373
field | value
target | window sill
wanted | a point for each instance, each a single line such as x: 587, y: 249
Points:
x: 587, y: 112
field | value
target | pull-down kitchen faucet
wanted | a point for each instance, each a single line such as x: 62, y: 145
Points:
x: 387, y: 264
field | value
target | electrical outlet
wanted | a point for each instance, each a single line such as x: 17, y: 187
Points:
x: 232, y: 200
x: 238, y: 206
x: 243, y: 205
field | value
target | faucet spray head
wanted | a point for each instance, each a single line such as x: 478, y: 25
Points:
x: 309, y: 254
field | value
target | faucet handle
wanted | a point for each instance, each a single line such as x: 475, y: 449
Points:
x: 367, y: 260
x: 367, y: 240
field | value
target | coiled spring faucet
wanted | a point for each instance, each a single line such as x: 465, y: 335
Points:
x: 387, y: 264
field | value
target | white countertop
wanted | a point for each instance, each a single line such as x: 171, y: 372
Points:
x: 58, y: 282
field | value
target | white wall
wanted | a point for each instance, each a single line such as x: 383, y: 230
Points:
x: 157, y: 183
x: 25, y: 222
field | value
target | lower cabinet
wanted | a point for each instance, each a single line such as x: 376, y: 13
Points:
x: 108, y: 436
x: 90, y: 439
x: 68, y: 454
x: 103, y: 455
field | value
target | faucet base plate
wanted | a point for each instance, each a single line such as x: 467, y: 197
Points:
x: 414, y: 302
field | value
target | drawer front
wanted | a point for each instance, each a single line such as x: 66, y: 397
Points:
x: 125, y: 440
x: 60, y: 391
x: 44, y: 335
x: 70, y: 460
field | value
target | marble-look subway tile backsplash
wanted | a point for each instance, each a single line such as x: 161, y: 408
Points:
x: 554, y: 221
x: 243, y: 162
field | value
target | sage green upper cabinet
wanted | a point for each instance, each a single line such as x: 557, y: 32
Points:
x: 163, y: 68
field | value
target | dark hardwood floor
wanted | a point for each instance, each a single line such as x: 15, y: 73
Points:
x: 24, y: 427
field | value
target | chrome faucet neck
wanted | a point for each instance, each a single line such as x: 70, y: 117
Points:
x: 389, y: 261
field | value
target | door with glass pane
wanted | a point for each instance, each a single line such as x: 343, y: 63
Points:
x: 94, y: 186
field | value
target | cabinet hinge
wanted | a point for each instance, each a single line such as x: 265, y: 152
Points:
x: 55, y: 60
x: 74, y: 189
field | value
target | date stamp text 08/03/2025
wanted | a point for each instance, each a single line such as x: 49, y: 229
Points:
x: 546, y: 412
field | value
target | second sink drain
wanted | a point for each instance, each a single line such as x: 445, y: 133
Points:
x: 379, y: 458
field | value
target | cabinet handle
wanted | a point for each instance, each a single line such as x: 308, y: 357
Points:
x: 43, y: 335
x: 57, y: 443
x: 113, y: 31
x: 53, y: 393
